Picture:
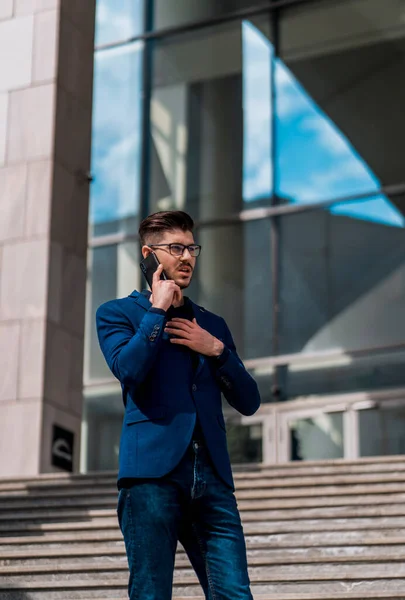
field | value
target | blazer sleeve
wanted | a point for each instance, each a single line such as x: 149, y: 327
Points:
x: 129, y: 353
x: 237, y: 385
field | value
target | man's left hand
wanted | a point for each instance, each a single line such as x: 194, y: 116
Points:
x: 190, y: 334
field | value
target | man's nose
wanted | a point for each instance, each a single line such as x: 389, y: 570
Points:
x: 186, y: 254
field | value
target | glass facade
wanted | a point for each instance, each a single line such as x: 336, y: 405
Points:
x: 279, y: 130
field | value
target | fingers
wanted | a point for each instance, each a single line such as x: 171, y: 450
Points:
x: 178, y: 321
x: 157, y: 273
x: 178, y: 330
x: 180, y: 341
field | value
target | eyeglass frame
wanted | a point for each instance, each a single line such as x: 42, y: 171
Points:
x: 184, y: 248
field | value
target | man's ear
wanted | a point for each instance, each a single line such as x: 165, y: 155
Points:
x: 146, y: 251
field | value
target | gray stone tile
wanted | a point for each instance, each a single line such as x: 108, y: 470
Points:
x: 55, y: 282
x: 3, y: 127
x: 20, y: 421
x: 32, y: 359
x: 63, y: 221
x: 29, y: 7
x: 6, y: 9
x: 76, y: 60
x: 13, y: 184
x: 23, y: 280
x: 16, y: 37
x: 73, y: 133
x: 31, y: 123
x: 70, y: 211
x: 57, y: 365
x: 9, y: 359
x: 82, y: 14
x: 74, y: 275
x: 76, y: 376
x: 46, y: 34
x: 38, y: 203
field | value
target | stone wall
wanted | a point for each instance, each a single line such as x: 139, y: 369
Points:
x: 46, y: 71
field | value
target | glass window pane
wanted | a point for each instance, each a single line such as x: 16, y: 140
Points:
x: 342, y: 289
x: 340, y: 96
x: 174, y: 13
x: 113, y: 273
x: 317, y: 438
x: 118, y: 21
x: 244, y: 442
x: 232, y: 279
x: 211, y: 121
x: 116, y: 145
x: 388, y: 431
x: 102, y: 423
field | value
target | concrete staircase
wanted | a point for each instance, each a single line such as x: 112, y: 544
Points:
x: 321, y: 530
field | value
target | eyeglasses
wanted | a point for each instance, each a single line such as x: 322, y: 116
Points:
x: 178, y: 249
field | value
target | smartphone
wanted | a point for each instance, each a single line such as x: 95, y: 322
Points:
x: 148, y: 267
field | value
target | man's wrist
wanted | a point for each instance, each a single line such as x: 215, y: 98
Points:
x: 159, y: 307
x: 218, y: 348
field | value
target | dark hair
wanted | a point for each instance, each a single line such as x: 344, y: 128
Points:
x: 152, y: 228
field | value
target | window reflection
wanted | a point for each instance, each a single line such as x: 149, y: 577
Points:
x: 117, y: 21
x: 339, y: 118
x: 257, y: 108
x: 116, y: 135
x: 211, y: 120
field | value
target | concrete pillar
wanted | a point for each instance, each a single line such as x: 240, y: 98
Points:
x: 46, y: 71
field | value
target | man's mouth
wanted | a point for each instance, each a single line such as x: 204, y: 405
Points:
x: 185, y: 270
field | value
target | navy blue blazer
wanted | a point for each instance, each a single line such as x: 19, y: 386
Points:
x: 162, y: 396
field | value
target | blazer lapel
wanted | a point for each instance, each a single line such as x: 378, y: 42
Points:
x: 141, y: 299
x: 200, y: 316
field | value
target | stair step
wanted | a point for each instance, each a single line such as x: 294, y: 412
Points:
x: 322, y: 584
x: 350, y: 497
x: 258, y: 481
x: 256, y: 523
x: 248, y: 509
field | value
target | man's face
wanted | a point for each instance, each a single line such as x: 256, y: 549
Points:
x: 178, y: 268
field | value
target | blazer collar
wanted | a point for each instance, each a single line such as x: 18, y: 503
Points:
x: 142, y: 298
x: 200, y: 314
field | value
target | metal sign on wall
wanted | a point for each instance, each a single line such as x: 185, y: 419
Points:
x: 62, y: 448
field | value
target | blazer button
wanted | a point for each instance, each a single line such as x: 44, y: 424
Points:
x: 194, y: 388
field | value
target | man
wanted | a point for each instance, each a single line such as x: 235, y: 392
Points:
x: 173, y: 359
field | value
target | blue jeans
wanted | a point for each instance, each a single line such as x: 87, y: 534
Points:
x: 191, y: 505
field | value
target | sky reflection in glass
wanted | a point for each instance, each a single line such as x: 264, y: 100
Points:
x: 118, y: 20
x: 315, y: 161
x: 116, y: 133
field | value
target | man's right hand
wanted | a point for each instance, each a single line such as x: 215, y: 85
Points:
x: 165, y: 292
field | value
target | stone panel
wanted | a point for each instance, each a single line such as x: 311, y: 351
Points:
x: 74, y: 273
x: 55, y: 283
x: 58, y: 365
x: 29, y: 7
x: 82, y: 14
x: 3, y: 127
x: 46, y: 32
x: 76, y: 58
x: 31, y: 119
x: 70, y: 208
x: 9, y: 359
x: 73, y: 133
x: 16, y: 36
x: 38, y: 204
x: 23, y: 280
x: 13, y: 183
x: 32, y: 359
x: 20, y: 438
x: 76, y: 376
x: 6, y: 9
